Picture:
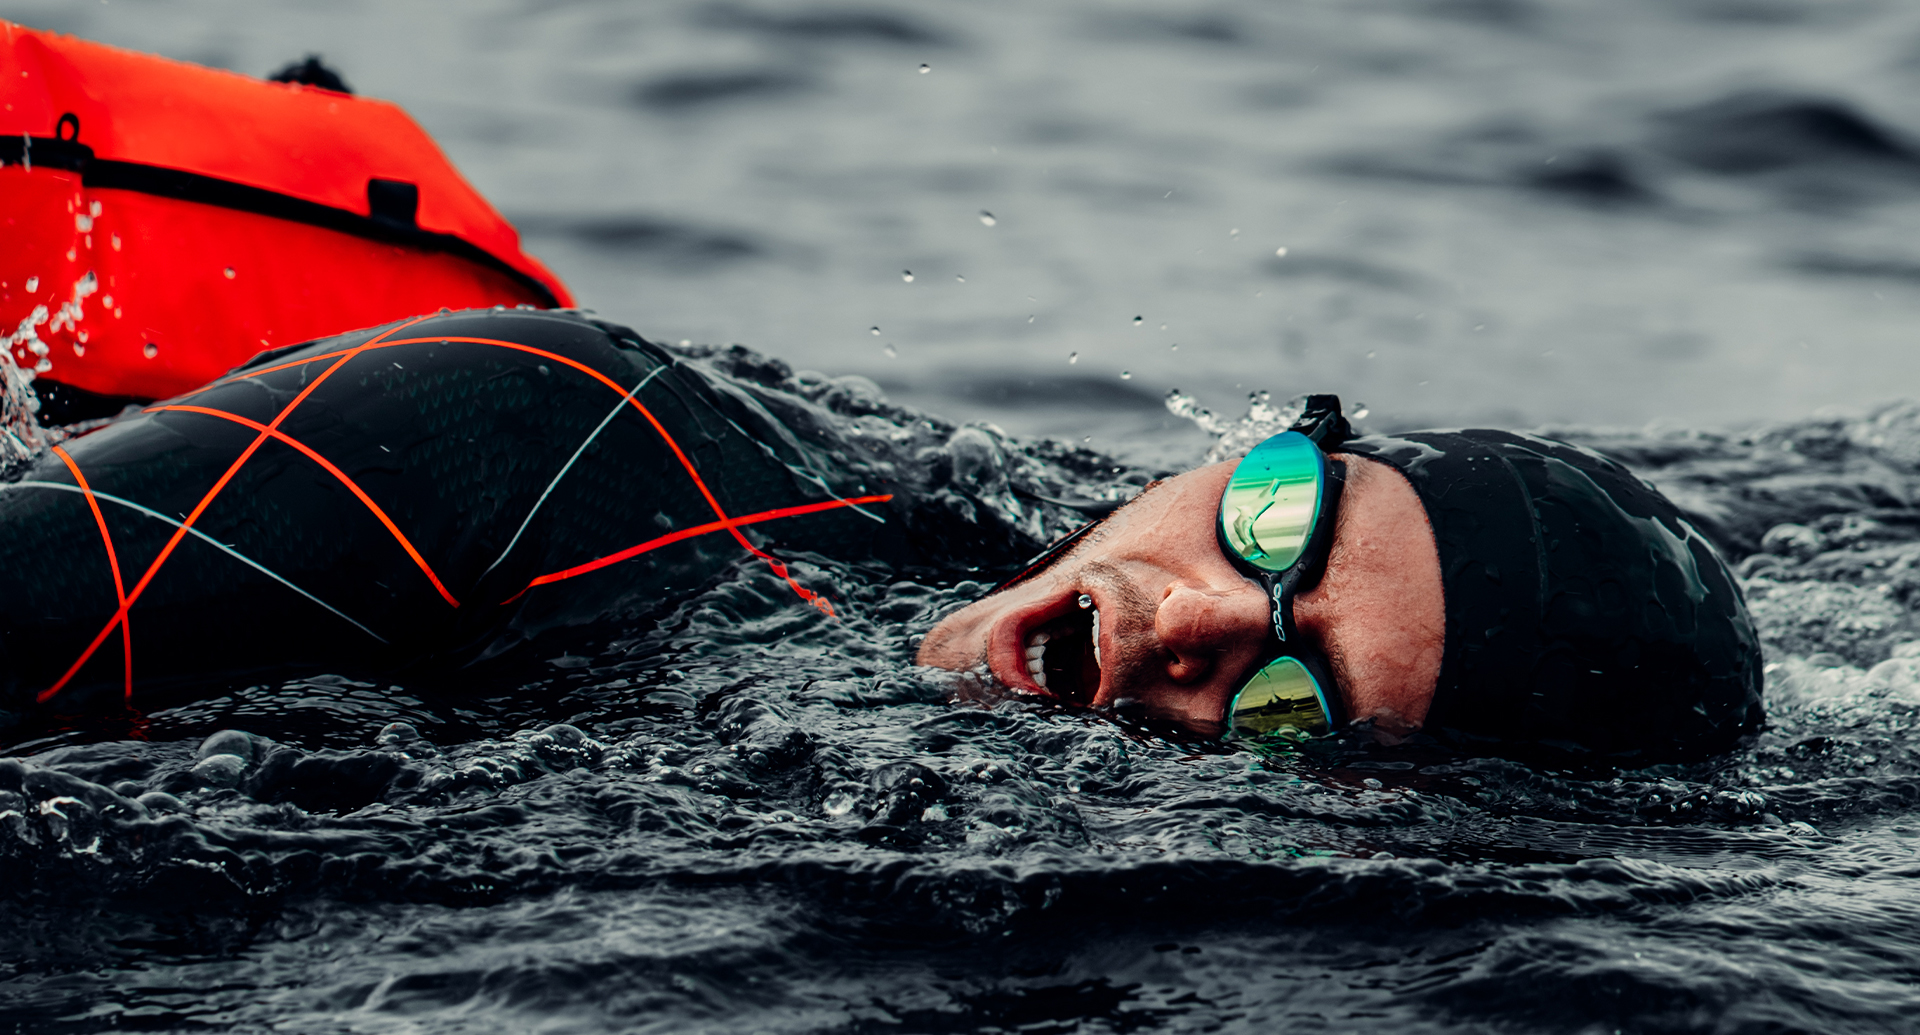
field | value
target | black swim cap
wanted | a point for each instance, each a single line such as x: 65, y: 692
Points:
x: 1584, y: 612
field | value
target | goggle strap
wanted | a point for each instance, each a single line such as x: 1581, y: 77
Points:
x: 1323, y: 422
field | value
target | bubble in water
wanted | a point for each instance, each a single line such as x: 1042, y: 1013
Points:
x: 924, y: 69
x: 1138, y: 320
x: 229, y: 272
x: 1072, y: 358
x: 986, y: 218
x: 33, y: 284
x: 151, y: 350
x: 1281, y: 251
x: 889, y: 350
x: 1359, y: 411
x: 906, y: 275
x: 1126, y: 375
x: 875, y: 330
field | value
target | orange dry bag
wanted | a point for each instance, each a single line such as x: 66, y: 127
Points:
x: 161, y: 222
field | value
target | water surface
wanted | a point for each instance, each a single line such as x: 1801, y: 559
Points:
x: 748, y: 817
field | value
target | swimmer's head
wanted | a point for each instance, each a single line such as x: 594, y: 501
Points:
x: 1492, y: 589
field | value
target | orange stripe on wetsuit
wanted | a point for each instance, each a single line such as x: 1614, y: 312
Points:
x: 724, y: 522
x: 120, y: 615
x: 113, y: 562
x: 339, y: 358
x: 688, y: 533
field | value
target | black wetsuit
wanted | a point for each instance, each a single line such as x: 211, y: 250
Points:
x: 428, y: 492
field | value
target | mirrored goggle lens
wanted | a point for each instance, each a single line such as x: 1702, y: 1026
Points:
x: 1273, y: 500
x: 1283, y: 696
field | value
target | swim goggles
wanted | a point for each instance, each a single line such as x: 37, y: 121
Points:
x: 1275, y: 527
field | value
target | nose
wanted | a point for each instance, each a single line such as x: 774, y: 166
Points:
x: 1196, y: 625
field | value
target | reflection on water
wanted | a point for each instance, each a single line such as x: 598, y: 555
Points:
x: 750, y: 817
x: 1604, y: 211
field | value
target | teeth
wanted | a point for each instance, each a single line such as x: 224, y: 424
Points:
x: 1036, y: 657
x: 1096, y: 638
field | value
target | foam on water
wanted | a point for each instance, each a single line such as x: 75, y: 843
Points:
x: 750, y: 816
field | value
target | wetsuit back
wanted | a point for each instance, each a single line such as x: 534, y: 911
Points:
x: 436, y: 490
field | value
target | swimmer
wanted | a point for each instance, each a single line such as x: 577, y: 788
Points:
x: 436, y: 492
x: 1488, y: 588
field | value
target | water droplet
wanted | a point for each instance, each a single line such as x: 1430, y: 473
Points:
x: 151, y: 350
x: 1370, y: 354
x: 906, y: 275
x: 1072, y: 358
x: 33, y: 284
x: 118, y: 312
x: 94, y: 210
x: 1030, y: 317
x: 986, y: 218
x: 1175, y: 347
x: 1126, y: 375
x: 875, y: 330
x: 889, y: 350
x: 924, y: 69
x: 959, y: 278
x: 1085, y: 602
x: 1138, y: 320
x: 1235, y: 232
x: 79, y: 349
x: 1281, y: 251
x: 116, y: 242
x: 1163, y: 326
x: 1360, y: 411
x: 229, y: 272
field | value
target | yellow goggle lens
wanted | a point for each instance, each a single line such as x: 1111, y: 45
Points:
x: 1283, y: 696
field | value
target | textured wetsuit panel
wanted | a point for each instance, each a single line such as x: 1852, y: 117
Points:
x: 431, y: 491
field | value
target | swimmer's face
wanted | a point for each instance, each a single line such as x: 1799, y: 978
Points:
x: 1180, y: 629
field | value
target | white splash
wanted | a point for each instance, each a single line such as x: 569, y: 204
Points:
x: 21, y: 436
x: 1262, y: 421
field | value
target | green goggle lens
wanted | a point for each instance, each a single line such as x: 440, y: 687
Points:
x: 1273, y: 500
x: 1282, y: 697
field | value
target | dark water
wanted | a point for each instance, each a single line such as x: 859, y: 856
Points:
x: 1699, y: 212
x: 751, y: 817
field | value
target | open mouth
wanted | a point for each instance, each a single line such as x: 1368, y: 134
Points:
x: 1063, y: 655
